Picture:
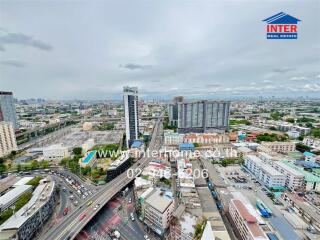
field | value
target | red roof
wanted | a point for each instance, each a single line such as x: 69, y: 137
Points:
x: 244, y: 212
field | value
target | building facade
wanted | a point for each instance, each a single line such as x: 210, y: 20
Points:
x: 173, y: 110
x: 203, y: 116
x: 7, y: 108
x: 29, y: 219
x: 281, y: 147
x: 55, y: 152
x: 130, y: 101
x: 246, y: 224
x: 7, y: 138
x: 294, y: 179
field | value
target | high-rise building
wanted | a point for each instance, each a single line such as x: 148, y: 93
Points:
x: 130, y: 101
x: 173, y: 110
x: 7, y: 108
x: 7, y: 138
x: 203, y: 116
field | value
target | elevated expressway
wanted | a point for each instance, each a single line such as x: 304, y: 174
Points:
x: 72, y: 225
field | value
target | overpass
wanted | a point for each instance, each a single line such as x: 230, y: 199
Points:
x: 73, y: 224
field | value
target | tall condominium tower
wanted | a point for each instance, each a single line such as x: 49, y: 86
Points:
x: 7, y: 108
x: 173, y: 110
x: 130, y: 101
x: 203, y: 116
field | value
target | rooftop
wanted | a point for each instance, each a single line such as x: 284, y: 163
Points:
x: 309, y: 177
x: 136, y: 144
x: 119, y: 161
x: 159, y: 200
x: 23, y: 181
x: 41, y: 193
x: 251, y: 221
x: 14, y: 193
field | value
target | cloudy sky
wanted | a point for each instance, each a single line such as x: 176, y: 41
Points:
x: 89, y: 49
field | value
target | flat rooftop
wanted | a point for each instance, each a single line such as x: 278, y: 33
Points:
x: 309, y: 177
x: 39, y: 197
x: 7, y: 182
x: 14, y: 193
x: 23, y: 181
x: 159, y: 200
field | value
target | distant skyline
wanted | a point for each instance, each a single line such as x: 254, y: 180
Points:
x: 200, y: 49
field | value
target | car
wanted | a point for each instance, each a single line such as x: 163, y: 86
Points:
x: 130, y: 200
x: 82, y: 217
x: 146, y: 237
x: 89, y: 203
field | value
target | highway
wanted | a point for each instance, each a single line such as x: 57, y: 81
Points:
x: 72, y: 225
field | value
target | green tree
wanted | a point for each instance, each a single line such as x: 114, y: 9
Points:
x: 34, y: 165
x: 315, y: 132
x: 77, y: 151
x: 290, y: 120
x: 35, y: 181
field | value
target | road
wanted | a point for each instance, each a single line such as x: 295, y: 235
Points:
x: 72, y: 224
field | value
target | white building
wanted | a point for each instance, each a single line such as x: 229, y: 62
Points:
x: 265, y: 173
x: 7, y: 139
x: 312, y: 142
x: 8, y: 199
x: 185, y: 175
x: 55, y: 152
x: 172, y: 138
x: 158, y: 209
x: 293, y: 134
x: 271, y: 177
x: 245, y: 223
x: 294, y: 179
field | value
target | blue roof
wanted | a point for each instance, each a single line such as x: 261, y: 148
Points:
x: 136, y: 144
x: 186, y: 145
x: 281, y: 18
x: 307, y: 164
x: 308, y: 154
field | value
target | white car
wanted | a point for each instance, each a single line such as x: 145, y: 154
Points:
x: 146, y: 237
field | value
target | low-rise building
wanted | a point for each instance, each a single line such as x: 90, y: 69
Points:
x: 269, y: 176
x: 55, y: 152
x: 246, y: 224
x: 157, y: 207
x: 10, y: 198
x: 294, y: 179
x: 206, y: 138
x: 182, y: 226
x: 118, y: 166
x: 172, y: 138
x: 25, y: 223
x: 282, y: 147
x: 312, y: 142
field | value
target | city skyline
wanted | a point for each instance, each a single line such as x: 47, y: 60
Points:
x: 189, y: 49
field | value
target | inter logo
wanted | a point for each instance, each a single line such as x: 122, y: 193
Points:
x: 282, y: 26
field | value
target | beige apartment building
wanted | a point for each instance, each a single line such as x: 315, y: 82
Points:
x: 7, y: 139
x: 282, y: 147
